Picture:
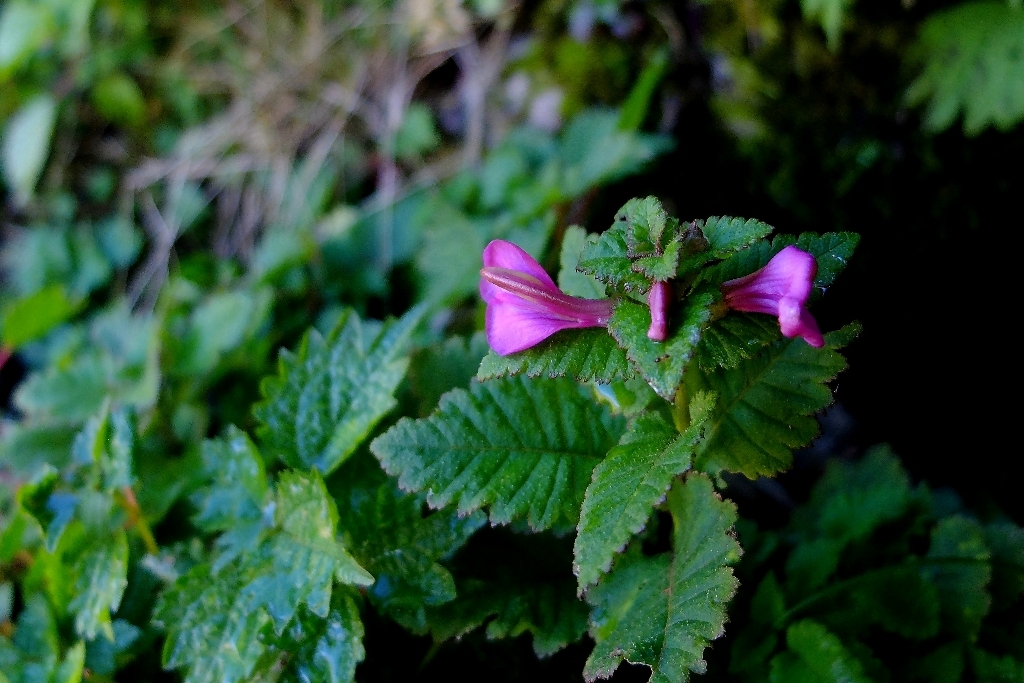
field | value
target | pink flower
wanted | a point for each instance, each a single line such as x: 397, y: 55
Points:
x: 524, y: 306
x: 657, y: 300
x: 781, y: 288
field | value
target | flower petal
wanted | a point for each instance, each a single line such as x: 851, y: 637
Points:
x: 512, y: 325
x: 502, y: 254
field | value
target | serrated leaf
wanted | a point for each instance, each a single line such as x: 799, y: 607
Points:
x: 216, y: 620
x: 815, y: 655
x: 607, y: 259
x: 387, y: 532
x: 102, y: 575
x: 32, y: 655
x: 726, y: 233
x: 626, y: 486
x: 663, y: 611
x: 961, y: 572
x: 584, y: 355
x: 331, y: 392
x: 570, y: 280
x: 661, y: 363
x: 525, y: 448
x: 735, y: 337
x: 765, y: 405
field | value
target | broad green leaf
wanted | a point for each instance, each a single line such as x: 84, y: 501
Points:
x: 584, y: 355
x: 330, y: 393
x: 570, y: 280
x: 216, y: 620
x: 386, y: 531
x: 30, y: 317
x: 961, y: 571
x: 735, y: 337
x: 663, y: 611
x: 973, y: 56
x: 102, y: 575
x: 25, y: 447
x: 26, y: 145
x: 221, y: 323
x: 726, y: 233
x: 661, y: 363
x: 628, y: 484
x: 525, y: 448
x: 765, y: 405
x: 326, y: 650
x: 815, y: 655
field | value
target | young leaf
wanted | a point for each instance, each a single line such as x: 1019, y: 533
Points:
x: 608, y: 260
x: 627, y: 485
x: 325, y: 650
x: 815, y: 655
x: 331, y: 392
x: 961, y: 574
x: 765, y: 405
x: 526, y: 448
x: 584, y: 355
x: 215, y: 619
x: 661, y: 363
x: 663, y: 611
x: 102, y: 575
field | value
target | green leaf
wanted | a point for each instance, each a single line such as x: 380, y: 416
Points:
x: 584, y: 355
x: 219, y: 324
x: 627, y: 485
x: 815, y: 656
x: 960, y: 570
x: 217, y: 620
x: 570, y: 280
x: 1006, y: 541
x: 328, y: 650
x: 331, y: 392
x: 514, y: 583
x: 525, y: 448
x: 734, y: 338
x: 973, y: 56
x: 26, y: 145
x: 727, y: 234
x: 30, y: 317
x: 638, y: 102
x: 991, y: 668
x: 608, y: 260
x: 24, y: 27
x: 118, y: 99
x: 101, y: 577
x: 440, y: 368
x: 386, y: 531
x: 830, y: 15
x: 104, y: 657
x: 417, y: 135
x: 765, y: 405
x: 663, y: 611
x: 661, y: 363
x: 548, y: 610
x: 32, y: 655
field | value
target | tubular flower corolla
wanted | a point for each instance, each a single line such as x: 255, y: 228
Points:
x: 524, y: 306
x: 657, y: 300
x: 781, y: 289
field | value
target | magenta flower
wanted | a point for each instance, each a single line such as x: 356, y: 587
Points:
x: 781, y: 289
x: 524, y: 306
x: 657, y: 300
